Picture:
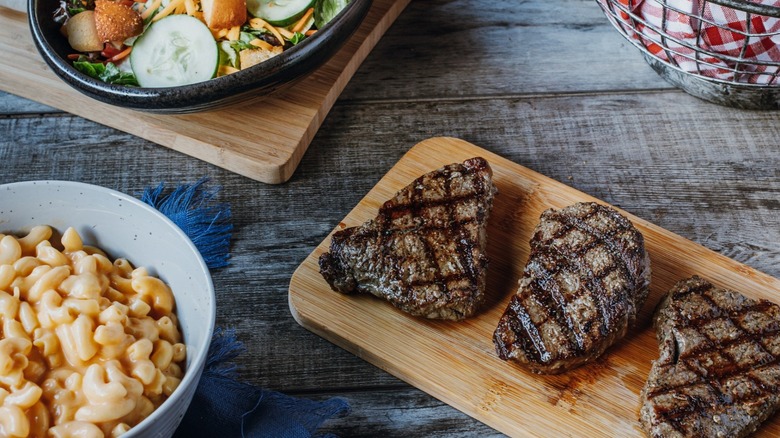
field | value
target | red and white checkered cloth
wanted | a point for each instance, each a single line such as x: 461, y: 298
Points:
x: 702, y: 37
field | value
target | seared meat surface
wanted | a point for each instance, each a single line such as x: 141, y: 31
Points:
x: 718, y: 373
x: 425, y: 250
x: 585, y: 281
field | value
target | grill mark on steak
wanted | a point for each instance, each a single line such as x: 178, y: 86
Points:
x: 584, y: 283
x: 533, y: 345
x: 545, y: 290
x: 424, y: 251
x: 732, y: 368
x: 605, y: 237
x: 418, y: 202
x: 622, y: 264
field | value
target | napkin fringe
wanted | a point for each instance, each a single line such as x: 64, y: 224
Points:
x: 222, y: 405
x: 192, y: 208
x: 223, y: 349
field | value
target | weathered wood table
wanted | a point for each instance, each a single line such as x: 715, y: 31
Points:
x: 548, y: 85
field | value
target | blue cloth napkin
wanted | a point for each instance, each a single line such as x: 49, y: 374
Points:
x: 224, y: 406
x: 193, y: 207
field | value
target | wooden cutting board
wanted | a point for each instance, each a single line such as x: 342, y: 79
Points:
x: 456, y: 362
x: 263, y: 140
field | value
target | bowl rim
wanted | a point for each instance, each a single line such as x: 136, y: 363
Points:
x: 195, y: 368
x: 270, y: 74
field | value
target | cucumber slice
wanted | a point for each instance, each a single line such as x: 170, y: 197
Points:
x: 325, y: 10
x: 177, y: 50
x: 279, y: 12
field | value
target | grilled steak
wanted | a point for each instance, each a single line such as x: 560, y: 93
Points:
x: 425, y: 250
x: 583, y: 285
x: 718, y: 373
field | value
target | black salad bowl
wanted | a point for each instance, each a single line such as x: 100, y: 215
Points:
x: 245, y: 85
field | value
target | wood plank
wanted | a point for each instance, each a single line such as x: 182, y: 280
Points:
x: 440, y: 49
x: 401, y: 413
x: 262, y: 140
x: 455, y: 361
x: 11, y: 104
x: 718, y: 187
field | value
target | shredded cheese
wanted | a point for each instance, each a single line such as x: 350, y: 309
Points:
x: 156, y: 10
x: 302, y: 22
x: 168, y: 9
x: 286, y: 33
x: 257, y: 42
x: 226, y: 70
x: 259, y: 23
x: 182, y: 8
x: 219, y: 33
x: 191, y: 7
x: 234, y: 33
x: 149, y: 10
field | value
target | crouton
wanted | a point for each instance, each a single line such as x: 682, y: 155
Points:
x: 250, y: 57
x: 223, y: 14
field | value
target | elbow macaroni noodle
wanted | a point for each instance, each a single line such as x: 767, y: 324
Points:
x: 88, y: 348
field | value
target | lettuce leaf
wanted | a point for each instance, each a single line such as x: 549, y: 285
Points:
x: 108, y: 73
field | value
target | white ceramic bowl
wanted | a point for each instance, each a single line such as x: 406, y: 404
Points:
x: 126, y: 227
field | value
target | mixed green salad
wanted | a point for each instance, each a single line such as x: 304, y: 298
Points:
x: 165, y: 43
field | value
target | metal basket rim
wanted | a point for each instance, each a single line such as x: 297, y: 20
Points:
x: 728, y: 92
x: 650, y: 59
x: 740, y: 5
x: 724, y: 82
x: 748, y: 6
x: 664, y: 35
x: 609, y: 6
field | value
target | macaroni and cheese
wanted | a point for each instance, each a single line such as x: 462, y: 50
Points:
x: 88, y: 347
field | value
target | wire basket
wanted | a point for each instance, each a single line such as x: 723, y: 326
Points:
x: 724, y: 51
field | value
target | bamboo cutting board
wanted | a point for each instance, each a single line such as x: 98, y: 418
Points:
x: 264, y: 140
x: 456, y: 362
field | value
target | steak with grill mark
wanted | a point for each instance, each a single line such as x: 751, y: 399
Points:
x: 582, y: 287
x: 718, y: 374
x: 425, y: 250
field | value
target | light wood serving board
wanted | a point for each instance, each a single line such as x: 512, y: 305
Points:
x: 456, y: 361
x: 264, y: 140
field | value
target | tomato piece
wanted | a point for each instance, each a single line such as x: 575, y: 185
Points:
x: 109, y: 51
